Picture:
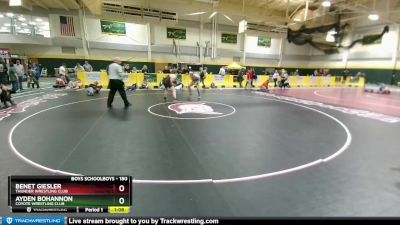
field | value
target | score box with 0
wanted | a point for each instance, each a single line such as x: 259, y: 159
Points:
x: 70, y: 191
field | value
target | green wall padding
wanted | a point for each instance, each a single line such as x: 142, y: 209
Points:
x: 372, y: 75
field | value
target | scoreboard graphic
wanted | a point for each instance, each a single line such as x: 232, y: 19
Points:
x: 73, y: 194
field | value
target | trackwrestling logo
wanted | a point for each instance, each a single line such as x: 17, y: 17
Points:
x: 197, y: 108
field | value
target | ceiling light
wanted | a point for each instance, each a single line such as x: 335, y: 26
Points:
x: 32, y: 23
x: 228, y: 18
x: 1, y: 16
x: 10, y: 14
x: 330, y: 38
x: 326, y: 3
x: 7, y: 24
x: 297, y: 19
x: 212, y: 15
x: 39, y: 19
x: 332, y: 32
x: 242, y: 26
x: 373, y: 16
x: 15, y: 3
x: 24, y: 24
x: 196, y: 13
x: 21, y: 18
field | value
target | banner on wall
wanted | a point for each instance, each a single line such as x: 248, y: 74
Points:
x: 219, y: 79
x: 150, y: 77
x: 229, y: 38
x: 93, y: 77
x: 264, y: 41
x: 176, y: 33
x: 112, y: 27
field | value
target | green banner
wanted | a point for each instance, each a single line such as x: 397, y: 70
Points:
x: 176, y: 33
x: 264, y: 41
x: 113, y: 27
x: 229, y: 38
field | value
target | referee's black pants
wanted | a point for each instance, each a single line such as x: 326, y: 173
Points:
x: 116, y: 85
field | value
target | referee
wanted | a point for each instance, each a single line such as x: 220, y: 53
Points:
x: 116, y: 84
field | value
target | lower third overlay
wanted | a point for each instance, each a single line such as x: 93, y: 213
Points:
x: 57, y: 220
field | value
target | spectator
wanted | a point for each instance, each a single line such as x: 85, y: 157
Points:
x: 185, y: 70
x: 203, y: 74
x: 166, y: 70
x: 284, y: 79
x: 240, y: 77
x: 315, y: 73
x: 3, y: 72
x: 221, y: 71
x: 19, y: 68
x: 87, y: 67
x: 36, y: 73
x: 250, y: 78
x: 62, y: 71
x: 29, y: 76
x: 127, y: 68
x: 144, y: 69
x: 275, y: 77
x: 5, y: 96
x: 174, y: 70
x: 78, y: 68
x: 13, y: 77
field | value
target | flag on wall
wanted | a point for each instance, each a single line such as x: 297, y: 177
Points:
x: 67, y: 26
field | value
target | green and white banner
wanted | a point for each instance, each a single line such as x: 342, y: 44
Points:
x: 229, y: 38
x: 264, y: 41
x: 112, y: 27
x: 176, y: 33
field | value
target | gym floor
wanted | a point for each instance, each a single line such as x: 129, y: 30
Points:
x: 238, y: 153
